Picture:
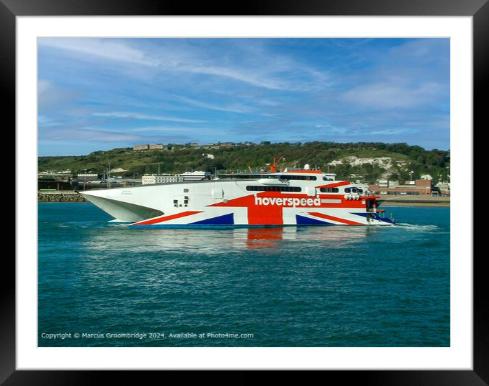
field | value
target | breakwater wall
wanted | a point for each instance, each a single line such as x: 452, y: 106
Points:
x: 60, y: 196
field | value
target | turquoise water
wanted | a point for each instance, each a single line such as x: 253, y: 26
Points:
x: 307, y: 286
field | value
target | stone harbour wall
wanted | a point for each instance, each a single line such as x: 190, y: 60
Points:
x: 60, y: 197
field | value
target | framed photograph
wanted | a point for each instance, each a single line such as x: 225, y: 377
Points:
x: 173, y: 166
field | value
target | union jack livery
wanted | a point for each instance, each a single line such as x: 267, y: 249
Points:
x: 294, y: 197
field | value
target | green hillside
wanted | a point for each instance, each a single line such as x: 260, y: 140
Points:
x: 239, y: 157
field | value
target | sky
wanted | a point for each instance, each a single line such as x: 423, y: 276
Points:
x: 99, y: 94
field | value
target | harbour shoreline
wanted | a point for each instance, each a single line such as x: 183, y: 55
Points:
x: 414, y: 200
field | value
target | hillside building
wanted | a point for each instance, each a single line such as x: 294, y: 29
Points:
x: 151, y: 179
x: 140, y: 147
x: 88, y: 176
x: 418, y: 187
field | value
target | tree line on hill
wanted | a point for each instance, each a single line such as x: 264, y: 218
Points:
x: 237, y: 158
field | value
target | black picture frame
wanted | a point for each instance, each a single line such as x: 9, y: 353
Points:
x: 478, y: 9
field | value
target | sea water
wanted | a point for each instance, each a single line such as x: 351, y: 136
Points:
x: 105, y: 284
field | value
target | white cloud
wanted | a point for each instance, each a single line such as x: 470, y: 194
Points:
x: 274, y: 77
x: 45, y: 121
x: 91, y: 134
x: 176, y: 129
x: 146, y: 117
x: 101, y: 48
x: 231, y: 109
x: 51, y: 96
x: 389, y: 95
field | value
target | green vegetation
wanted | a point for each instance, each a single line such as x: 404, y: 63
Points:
x: 405, y: 159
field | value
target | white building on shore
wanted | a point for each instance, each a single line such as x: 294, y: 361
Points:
x: 151, y: 179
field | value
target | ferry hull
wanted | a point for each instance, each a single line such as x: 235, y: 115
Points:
x: 123, y: 211
x: 204, y: 205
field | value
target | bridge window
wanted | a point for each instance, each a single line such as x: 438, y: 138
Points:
x: 329, y: 190
x: 353, y: 190
x: 302, y: 178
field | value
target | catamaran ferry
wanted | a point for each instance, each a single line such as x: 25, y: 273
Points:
x: 290, y: 198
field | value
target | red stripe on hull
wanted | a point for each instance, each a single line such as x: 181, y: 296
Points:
x: 166, y: 218
x: 334, y: 184
x: 338, y: 219
x: 305, y: 171
x: 357, y: 204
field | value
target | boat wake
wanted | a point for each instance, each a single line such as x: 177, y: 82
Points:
x: 414, y: 227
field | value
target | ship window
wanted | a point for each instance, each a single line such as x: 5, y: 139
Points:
x: 327, y: 179
x: 175, y: 203
x: 185, y: 190
x: 273, y: 189
x: 329, y: 190
x: 302, y: 178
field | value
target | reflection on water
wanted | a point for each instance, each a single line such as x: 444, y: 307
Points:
x: 220, y: 241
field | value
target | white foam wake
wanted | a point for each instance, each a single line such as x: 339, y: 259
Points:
x: 418, y: 227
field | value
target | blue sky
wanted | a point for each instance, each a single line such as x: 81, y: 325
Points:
x: 98, y: 94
